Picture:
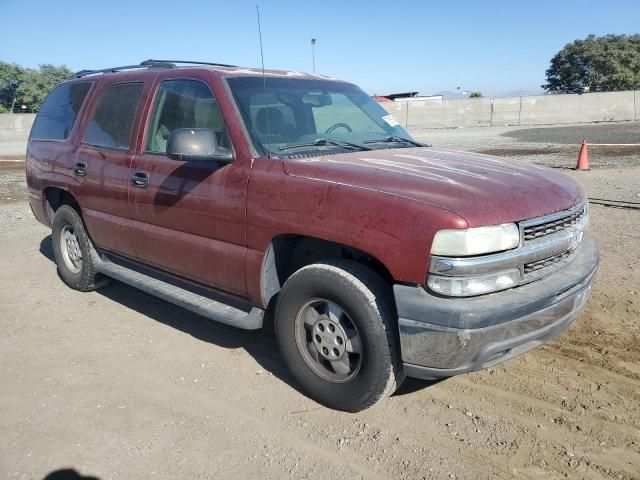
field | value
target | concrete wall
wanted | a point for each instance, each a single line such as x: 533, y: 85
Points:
x: 14, y: 132
x: 15, y: 126
x: 533, y: 110
x: 449, y: 113
x: 592, y: 107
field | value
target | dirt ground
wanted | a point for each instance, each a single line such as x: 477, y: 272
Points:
x: 117, y: 384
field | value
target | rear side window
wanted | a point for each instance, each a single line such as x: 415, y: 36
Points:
x: 59, y: 111
x: 113, y: 118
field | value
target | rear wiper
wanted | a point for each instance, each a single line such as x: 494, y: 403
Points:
x: 396, y: 139
x: 325, y: 141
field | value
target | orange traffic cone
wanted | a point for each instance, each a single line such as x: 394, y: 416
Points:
x: 583, y: 157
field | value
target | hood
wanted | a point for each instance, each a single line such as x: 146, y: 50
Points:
x: 484, y: 190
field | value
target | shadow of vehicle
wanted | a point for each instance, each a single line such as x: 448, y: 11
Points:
x: 67, y: 474
x: 411, y: 385
x: 260, y: 344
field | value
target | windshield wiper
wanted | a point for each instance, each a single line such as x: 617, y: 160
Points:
x: 396, y: 139
x: 320, y: 142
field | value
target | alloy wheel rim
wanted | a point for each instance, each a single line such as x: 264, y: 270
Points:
x: 328, y: 341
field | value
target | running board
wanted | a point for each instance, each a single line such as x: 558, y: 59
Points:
x: 249, y: 319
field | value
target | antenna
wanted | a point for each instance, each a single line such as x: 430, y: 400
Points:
x: 264, y: 78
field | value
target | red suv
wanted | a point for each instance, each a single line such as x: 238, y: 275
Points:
x: 232, y: 192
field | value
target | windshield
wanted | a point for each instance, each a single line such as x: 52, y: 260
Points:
x: 297, y: 117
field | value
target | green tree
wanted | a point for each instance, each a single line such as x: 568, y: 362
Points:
x: 38, y: 83
x: 475, y: 95
x: 607, y: 63
x: 11, y: 76
x: 28, y: 87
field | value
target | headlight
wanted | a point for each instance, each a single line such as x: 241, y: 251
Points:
x: 475, y: 241
x: 474, y: 285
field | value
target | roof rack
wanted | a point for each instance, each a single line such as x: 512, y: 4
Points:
x: 152, y: 61
x: 146, y: 64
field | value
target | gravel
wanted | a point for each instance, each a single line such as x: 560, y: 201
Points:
x: 117, y: 384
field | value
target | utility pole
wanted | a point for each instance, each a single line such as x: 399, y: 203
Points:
x: 313, y: 54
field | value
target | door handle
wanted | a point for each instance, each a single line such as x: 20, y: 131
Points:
x: 80, y: 169
x: 140, y: 179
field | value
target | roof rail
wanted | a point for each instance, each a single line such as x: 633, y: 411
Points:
x: 187, y: 61
x: 146, y: 64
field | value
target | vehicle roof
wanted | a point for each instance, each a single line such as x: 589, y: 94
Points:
x: 142, y: 71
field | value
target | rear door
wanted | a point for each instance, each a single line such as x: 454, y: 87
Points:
x: 190, y: 216
x: 52, y: 142
x: 103, y: 160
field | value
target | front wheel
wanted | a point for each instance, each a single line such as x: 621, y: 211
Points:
x: 334, y: 328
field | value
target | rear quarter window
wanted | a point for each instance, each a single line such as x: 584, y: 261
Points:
x: 58, y: 113
x: 113, y: 118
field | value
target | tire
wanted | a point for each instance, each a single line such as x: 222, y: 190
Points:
x: 345, y: 297
x: 75, y: 255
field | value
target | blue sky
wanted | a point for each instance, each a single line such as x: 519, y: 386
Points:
x: 493, y: 46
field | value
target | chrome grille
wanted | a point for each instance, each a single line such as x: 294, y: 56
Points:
x: 531, y: 232
x: 545, y: 262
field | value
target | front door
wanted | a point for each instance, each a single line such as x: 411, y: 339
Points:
x: 190, y: 216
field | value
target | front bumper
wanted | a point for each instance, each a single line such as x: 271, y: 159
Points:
x: 443, y: 336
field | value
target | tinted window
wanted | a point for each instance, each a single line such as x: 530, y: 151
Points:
x: 184, y: 104
x: 59, y: 111
x: 113, y: 118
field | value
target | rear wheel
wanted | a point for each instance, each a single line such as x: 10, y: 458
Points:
x: 75, y: 255
x: 334, y: 327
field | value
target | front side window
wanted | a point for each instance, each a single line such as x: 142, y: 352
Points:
x: 113, y: 118
x: 183, y: 104
x: 59, y: 111
x: 302, y: 117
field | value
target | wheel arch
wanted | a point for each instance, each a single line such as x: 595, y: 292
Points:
x: 55, y: 197
x: 287, y: 253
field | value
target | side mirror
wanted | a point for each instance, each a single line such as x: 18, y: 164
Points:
x: 196, y: 145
